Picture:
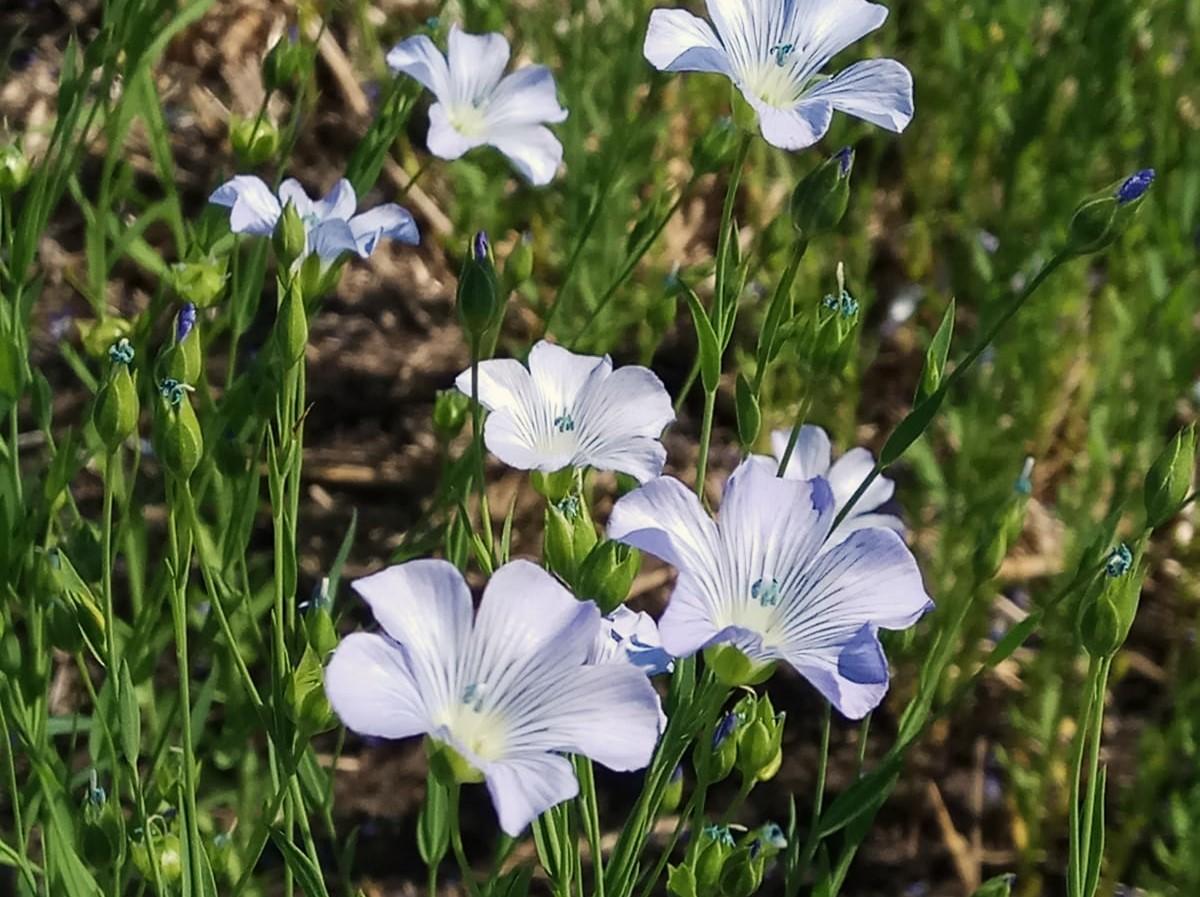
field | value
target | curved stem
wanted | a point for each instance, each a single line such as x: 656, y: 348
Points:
x: 456, y: 842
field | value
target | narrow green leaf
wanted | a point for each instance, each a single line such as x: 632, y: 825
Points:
x: 307, y: 875
x: 130, y: 716
x: 709, y: 346
x: 910, y: 429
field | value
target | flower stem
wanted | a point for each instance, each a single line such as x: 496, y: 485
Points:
x: 710, y: 401
x: 794, y: 437
x: 812, y: 842
x: 590, y: 813
x: 456, y: 842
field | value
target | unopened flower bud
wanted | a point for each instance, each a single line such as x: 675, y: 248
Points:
x: 285, y: 62
x: 307, y: 703
x: 820, y: 199
x: 181, y: 444
x: 673, y: 793
x: 715, y: 148
x: 741, y: 874
x: 254, y: 140
x: 14, y: 169
x: 291, y: 237
x: 717, y: 764
x: 291, y: 328
x: 749, y: 415
x: 607, y: 573
x: 1170, y: 478
x: 518, y: 267
x: 115, y: 414
x: 478, y: 304
x: 450, y: 413
x: 1098, y: 221
x: 183, y: 356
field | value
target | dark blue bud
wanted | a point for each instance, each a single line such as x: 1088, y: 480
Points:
x: 1135, y: 185
x: 185, y: 322
x: 845, y: 158
x: 481, y: 247
x: 724, y: 730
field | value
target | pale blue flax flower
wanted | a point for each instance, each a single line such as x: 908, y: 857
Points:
x: 774, y: 50
x: 331, y: 225
x: 507, y: 689
x: 478, y: 105
x: 758, y: 580
x: 812, y: 456
x: 568, y: 410
x: 628, y: 636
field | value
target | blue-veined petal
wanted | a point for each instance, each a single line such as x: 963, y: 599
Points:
x: 524, y: 787
x: 876, y: 90
x: 476, y: 63
x: 677, y: 41
x: 420, y: 59
x: 559, y: 374
x: 794, y: 127
x: 388, y: 220
x: 254, y: 209
x: 528, y: 96
x: 621, y: 415
x: 331, y: 238
x: 371, y: 689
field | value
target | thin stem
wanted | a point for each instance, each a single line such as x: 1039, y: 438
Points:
x: 665, y: 856
x: 590, y: 813
x: 731, y: 189
x: 710, y: 401
x: 812, y: 841
x: 794, y: 437
x: 10, y: 771
x: 1099, y: 688
x: 775, y: 312
x: 1074, y: 870
x: 111, y: 460
x: 456, y: 842
x: 416, y: 176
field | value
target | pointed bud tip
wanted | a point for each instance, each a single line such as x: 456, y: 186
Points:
x: 185, y: 321
x: 1135, y: 186
x: 480, y: 246
x: 845, y: 159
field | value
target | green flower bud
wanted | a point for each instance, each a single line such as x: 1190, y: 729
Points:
x: 717, y: 763
x: 183, y: 361
x: 607, y: 573
x: 181, y: 444
x: 1000, y: 886
x: 716, y: 843
x: 319, y: 631
x: 556, y: 486
x: 715, y: 149
x: 518, y: 267
x: 1098, y: 221
x: 673, y: 793
x: 820, y: 199
x: 200, y: 283
x: 756, y: 749
x: 254, y: 140
x: 558, y: 544
x: 285, y: 62
x: 735, y: 669
x: 305, y: 693
x: 14, y: 169
x: 742, y: 873
x: 10, y: 655
x: 1170, y: 478
x: 290, y: 238
x: 1110, y: 605
x: 450, y: 413
x: 749, y: 415
x: 479, y: 306
x: 449, y: 766
x: 291, y: 328
x: 936, y: 355
x: 115, y: 413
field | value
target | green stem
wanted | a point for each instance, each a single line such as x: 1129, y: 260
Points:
x: 1074, y: 864
x: 710, y: 401
x: 735, y: 179
x: 590, y: 813
x: 794, y: 437
x: 456, y: 842
x: 665, y: 856
x: 1099, y: 688
x: 776, y: 316
x: 14, y: 791
x: 812, y: 842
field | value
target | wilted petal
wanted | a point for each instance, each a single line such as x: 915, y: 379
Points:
x: 371, y: 690
x: 677, y: 41
x: 418, y: 58
x: 524, y: 787
x: 476, y: 63
x: 526, y: 97
x: 876, y: 90
x: 388, y: 220
x: 533, y: 150
x: 253, y: 207
x: 424, y: 605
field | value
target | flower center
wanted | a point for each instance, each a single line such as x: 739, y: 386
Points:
x: 475, y: 725
x: 765, y: 592
x: 564, y: 423
x: 467, y: 119
x: 772, y: 80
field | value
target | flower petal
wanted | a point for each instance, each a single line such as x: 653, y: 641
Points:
x: 532, y: 149
x: 792, y: 128
x: 665, y: 518
x: 876, y: 90
x: 621, y: 416
x: 476, y: 63
x: 524, y: 787
x: 849, y: 472
x: 253, y: 207
x: 528, y: 627
x: 677, y: 41
x: 424, y: 605
x: 560, y: 374
x: 443, y: 139
x: 419, y: 58
x: 810, y: 457
x: 853, y: 700
x: 340, y: 204
x: 526, y: 97
x: 388, y: 220
x: 627, y: 636
x: 371, y: 689
x: 331, y: 238
x: 291, y: 190
x: 823, y: 28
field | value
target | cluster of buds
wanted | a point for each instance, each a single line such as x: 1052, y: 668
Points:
x: 598, y: 570
x: 749, y: 739
x: 724, y: 865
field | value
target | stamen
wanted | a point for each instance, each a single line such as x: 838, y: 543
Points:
x: 474, y: 694
x: 564, y: 423
x: 781, y: 53
x: 765, y: 592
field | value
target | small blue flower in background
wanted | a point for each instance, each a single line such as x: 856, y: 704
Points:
x: 507, y: 688
x: 774, y: 51
x: 330, y: 224
x: 1135, y: 186
x: 833, y: 597
x: 568, y: 410
x: 813, y: 457
x: 632, y: 637
x: 477, y: 105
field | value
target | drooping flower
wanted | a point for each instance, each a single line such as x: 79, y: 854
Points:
x: 758, y: 581
x: 813, y: 457
x: 477, y: 105
x: 627, y: 636
x: 507, y: 689
x: 568, y: 410
x: 331, y: 226
x: 774, y: 50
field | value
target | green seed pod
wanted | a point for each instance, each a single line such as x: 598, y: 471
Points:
x: 286, y: 62
x: 99, y: 336
x: 291, y: 328
x: 479, y: 306
x: 735, y: 669
x: 749, y: 415
x: 820, y: 199
x: 672, y: 794
x: 181, y: 443
x: 14, y: 169
x: 607, y: 573
x: 756, y: 749
x: 681, y: 881
x: 741, y: 874
x: 1108, y: 611
x: 715, y: 149
x: 170, y: 860
x: 115, y: 413
x: 1170, y: 477
x: 254, y: 140
x: 716, y: 843
x: 518, y: 267
x: 450, y: 413
x: 201, y: 282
